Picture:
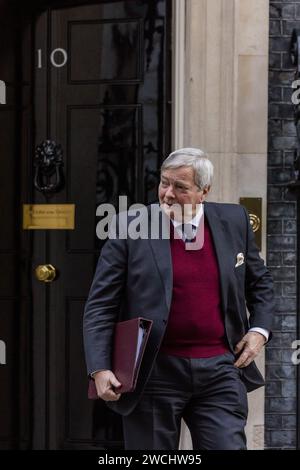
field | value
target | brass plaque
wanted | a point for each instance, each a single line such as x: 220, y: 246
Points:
x: 254, y: 208
x: 48, y: 216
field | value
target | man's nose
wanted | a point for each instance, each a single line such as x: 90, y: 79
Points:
x: 170, y: 192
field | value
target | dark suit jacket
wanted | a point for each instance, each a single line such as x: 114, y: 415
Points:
x: 134, y: 278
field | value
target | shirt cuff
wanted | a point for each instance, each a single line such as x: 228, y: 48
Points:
x: 262, y: 331
x: 95, y: 371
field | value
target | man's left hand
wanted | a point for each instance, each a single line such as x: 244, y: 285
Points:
x: 249, y: 347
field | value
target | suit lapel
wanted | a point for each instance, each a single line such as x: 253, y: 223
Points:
x: 162, y: 251
x: 218, y: 227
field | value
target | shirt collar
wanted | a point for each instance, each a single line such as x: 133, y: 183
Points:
x: 194, y: 221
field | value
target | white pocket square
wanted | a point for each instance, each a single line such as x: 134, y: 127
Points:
x: 239, y: 259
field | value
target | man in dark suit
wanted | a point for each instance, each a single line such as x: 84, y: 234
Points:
x: 198, y: 364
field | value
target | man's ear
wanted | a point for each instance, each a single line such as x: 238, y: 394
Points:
x: 205, y: 192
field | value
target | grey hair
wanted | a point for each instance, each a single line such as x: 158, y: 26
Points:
x: 195, y: 158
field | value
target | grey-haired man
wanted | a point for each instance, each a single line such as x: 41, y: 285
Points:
x: 199, y: 361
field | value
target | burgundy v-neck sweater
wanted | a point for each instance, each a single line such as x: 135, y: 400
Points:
x: 196, y: 327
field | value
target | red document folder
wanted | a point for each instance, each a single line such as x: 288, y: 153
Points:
x: 130, y: 341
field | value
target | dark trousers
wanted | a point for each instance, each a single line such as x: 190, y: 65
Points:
x: 207, y: 393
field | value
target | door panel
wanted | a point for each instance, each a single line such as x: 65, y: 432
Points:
x: 108, y: 108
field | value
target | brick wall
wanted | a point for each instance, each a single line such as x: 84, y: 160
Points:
x: 280, y: 418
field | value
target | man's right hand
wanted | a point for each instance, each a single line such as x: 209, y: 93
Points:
x: 106, y: 381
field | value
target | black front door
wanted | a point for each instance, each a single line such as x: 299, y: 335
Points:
x: 99, y: 91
